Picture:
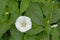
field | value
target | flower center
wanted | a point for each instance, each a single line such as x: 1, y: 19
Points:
x: 23, y: 24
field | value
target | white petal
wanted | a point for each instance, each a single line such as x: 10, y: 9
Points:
x: 23, y: 19
x: 53, y: 26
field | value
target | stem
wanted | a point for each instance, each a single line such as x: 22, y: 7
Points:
x: 22, y: 36
x: 47, y: 36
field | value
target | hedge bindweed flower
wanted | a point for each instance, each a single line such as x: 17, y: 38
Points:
x: 53, y: 26
x: 23, y: 23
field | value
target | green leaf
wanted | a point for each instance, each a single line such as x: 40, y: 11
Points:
x: 33, y: 37
x: 54, y: 34
x: 58, y: 28
x: 51, y: 11
x: 4, y: 19
x: 4, y: 27
x: 55, y: 16
x: 55, y: 13
x: 17, y: 35
x: 35, y: 13
x: 48, y: 29
x: 13, y: 10
x: 11, y: 38
x: 35, y: 30
x: 7, y: 36
x: 47, y: 9
x: 1, y: 38
x: 3, y: 4
x: 24, y: 5
x: 42, y: 36
x: 39, y: 1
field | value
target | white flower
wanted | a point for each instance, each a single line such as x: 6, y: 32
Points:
x: 23, y: 23
x: 53, y: 26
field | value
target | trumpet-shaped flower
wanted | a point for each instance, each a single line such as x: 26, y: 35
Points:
x: 23, y: 23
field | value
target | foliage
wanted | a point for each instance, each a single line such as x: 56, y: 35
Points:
x: 43, y: 13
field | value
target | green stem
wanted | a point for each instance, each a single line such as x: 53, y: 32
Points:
x: 22, y: 36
